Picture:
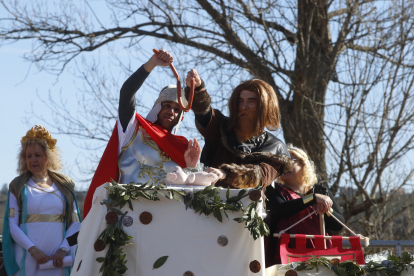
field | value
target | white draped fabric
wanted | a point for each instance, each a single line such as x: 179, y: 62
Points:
x: 190, y: 240
x: 46, y: 236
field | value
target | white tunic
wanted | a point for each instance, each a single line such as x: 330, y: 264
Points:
x: 46, y: 236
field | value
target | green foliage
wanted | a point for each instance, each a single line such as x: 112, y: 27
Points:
x: 207, y: 201
x: 254, y: 223
x: 123, y: 194
x: 160, y: 262
x: 114, y: 262
x: 351, y: 268
x: 394, y: 268
x: 345, y: 268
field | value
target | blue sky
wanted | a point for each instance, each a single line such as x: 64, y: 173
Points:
x: 22, y: 85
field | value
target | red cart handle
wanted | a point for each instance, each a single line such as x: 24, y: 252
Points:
x: 192, y: 87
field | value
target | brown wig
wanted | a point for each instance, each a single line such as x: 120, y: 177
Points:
x: 268, y: 106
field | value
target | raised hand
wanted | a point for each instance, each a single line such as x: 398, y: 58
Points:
x: 192, y: 153
x: 192, y: 74
x: 162, y: 59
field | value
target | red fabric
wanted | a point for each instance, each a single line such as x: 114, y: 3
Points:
x: 174, y: 146
x: 301, y: 253
x: 309, y: 226
x: 107, y: 169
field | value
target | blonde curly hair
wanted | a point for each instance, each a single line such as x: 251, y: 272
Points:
x: 309, y: 175
x: 39, y: 135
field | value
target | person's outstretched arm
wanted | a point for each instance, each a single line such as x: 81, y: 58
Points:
x: 201, y: 102
x: 126, y: 108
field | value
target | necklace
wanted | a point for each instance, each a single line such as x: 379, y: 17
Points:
x: 40, y: 180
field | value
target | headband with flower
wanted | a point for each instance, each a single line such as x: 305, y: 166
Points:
x: 39, y: 133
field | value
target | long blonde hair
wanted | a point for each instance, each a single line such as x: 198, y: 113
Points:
x: 39, y: 135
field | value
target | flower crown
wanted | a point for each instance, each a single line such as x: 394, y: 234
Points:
x: 39, y: 133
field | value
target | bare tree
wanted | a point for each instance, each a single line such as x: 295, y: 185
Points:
x: 342, y: 70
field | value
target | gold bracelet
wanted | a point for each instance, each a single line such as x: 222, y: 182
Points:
x: 307, y: 199
x: 34, y: 249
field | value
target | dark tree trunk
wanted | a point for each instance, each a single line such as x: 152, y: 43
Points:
x: 303, y: 116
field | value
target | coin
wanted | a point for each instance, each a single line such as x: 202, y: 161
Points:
x: 127, y: 221
x: 291, y: 273
x: 334, y: 261
x: 99, y: 245
x: 111, y: 218
x: 255, y: 195
x: 222, y: 240
x: 255, y: 266
x: 145, y: 218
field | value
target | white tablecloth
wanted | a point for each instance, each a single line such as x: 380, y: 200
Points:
x: 189, y: 239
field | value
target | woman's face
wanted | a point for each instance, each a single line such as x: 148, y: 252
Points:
x: 36, y: 159
x: 296, y: 174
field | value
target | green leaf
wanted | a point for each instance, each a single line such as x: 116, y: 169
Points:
x: 211, y: 193
x: 242, y: 192
x: 228, y: 193
x: 100, y: 259
x: 160, y: 262
x: 216, y: 199
x: 130, y: 205
x: 341, y: 272
x: 226, y: 215
x: 239, y: 220
x: 118, y: 212
x: 217, y: 214
x: 233, y: 199
x: 176, y: 197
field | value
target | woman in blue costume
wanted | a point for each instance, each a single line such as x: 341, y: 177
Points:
x: 41, y: 210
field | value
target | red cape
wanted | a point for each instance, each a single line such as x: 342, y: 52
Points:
x: 174, y: 146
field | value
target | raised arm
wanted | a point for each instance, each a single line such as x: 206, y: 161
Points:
x: 130, y: 87
x: 202, y: 102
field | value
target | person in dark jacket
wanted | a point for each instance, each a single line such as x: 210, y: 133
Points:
x: 244, y: 154
x: 295, y: 196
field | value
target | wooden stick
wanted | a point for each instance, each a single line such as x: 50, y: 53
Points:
x: 322, y: 227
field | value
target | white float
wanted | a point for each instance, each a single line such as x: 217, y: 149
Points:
x: 190, y: 240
